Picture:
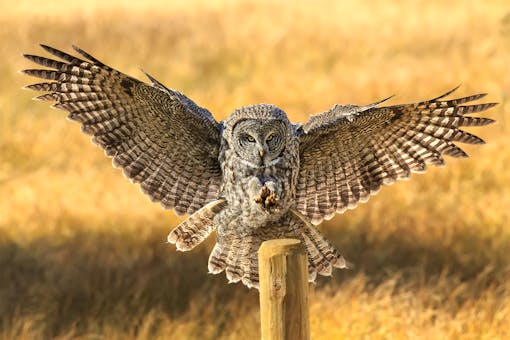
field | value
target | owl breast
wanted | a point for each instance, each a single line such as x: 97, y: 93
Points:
x: 244, y: 184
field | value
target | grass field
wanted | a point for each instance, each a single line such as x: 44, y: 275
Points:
x: 83, y: 253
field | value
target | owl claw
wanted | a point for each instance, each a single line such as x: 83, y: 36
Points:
x: 272, y: 201
x: 268, y: 199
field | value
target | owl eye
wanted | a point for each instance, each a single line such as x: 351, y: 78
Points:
x: 269, y: 138
x: 250, y: 138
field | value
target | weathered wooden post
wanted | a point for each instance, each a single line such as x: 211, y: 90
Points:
x: 283, y: 275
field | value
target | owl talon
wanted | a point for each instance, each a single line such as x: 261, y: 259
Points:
x: 272, y: 201
x: 268, y: 199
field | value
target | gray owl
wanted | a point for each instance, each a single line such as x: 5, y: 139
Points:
x: 255, y: 176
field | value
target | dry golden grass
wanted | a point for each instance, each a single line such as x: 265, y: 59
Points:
x: 82, y: 252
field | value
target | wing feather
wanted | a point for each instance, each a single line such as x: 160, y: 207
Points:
x: 349, y: 152
x: 159, y: 137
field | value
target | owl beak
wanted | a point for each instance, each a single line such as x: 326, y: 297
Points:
x: 261, y: 153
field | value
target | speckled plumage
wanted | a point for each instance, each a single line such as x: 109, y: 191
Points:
x: 255, y: 176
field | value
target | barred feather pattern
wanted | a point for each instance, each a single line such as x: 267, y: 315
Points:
x: 237, y: 255
x: 349, y: 152
x: 196, y: 227
x: 159, y: 137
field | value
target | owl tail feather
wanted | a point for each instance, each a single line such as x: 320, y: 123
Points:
x: 322, y: 255
x: 197, y: 227
x: 238, y: 258
x: 238, y: 255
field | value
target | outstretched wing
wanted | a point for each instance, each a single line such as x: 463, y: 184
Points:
x: 348, y: 152
x: 159, y: 137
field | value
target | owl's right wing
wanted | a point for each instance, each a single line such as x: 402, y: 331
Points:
x: 159, y: 137
x: 349, y: 152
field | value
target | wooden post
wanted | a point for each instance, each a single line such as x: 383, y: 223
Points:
x: 283, y: 275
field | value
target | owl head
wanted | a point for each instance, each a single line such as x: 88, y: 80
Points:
x: 258, y: 134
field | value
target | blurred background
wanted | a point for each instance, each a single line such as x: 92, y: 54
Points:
x: 83, y: 253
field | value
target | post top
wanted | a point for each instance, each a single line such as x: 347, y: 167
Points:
x: 281, y: 246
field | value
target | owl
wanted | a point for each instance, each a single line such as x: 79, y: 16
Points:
x: 255, y: 176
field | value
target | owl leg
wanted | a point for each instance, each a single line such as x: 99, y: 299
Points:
x: 197, y: 227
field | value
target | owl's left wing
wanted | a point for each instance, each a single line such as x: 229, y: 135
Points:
x: 349, y: 152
